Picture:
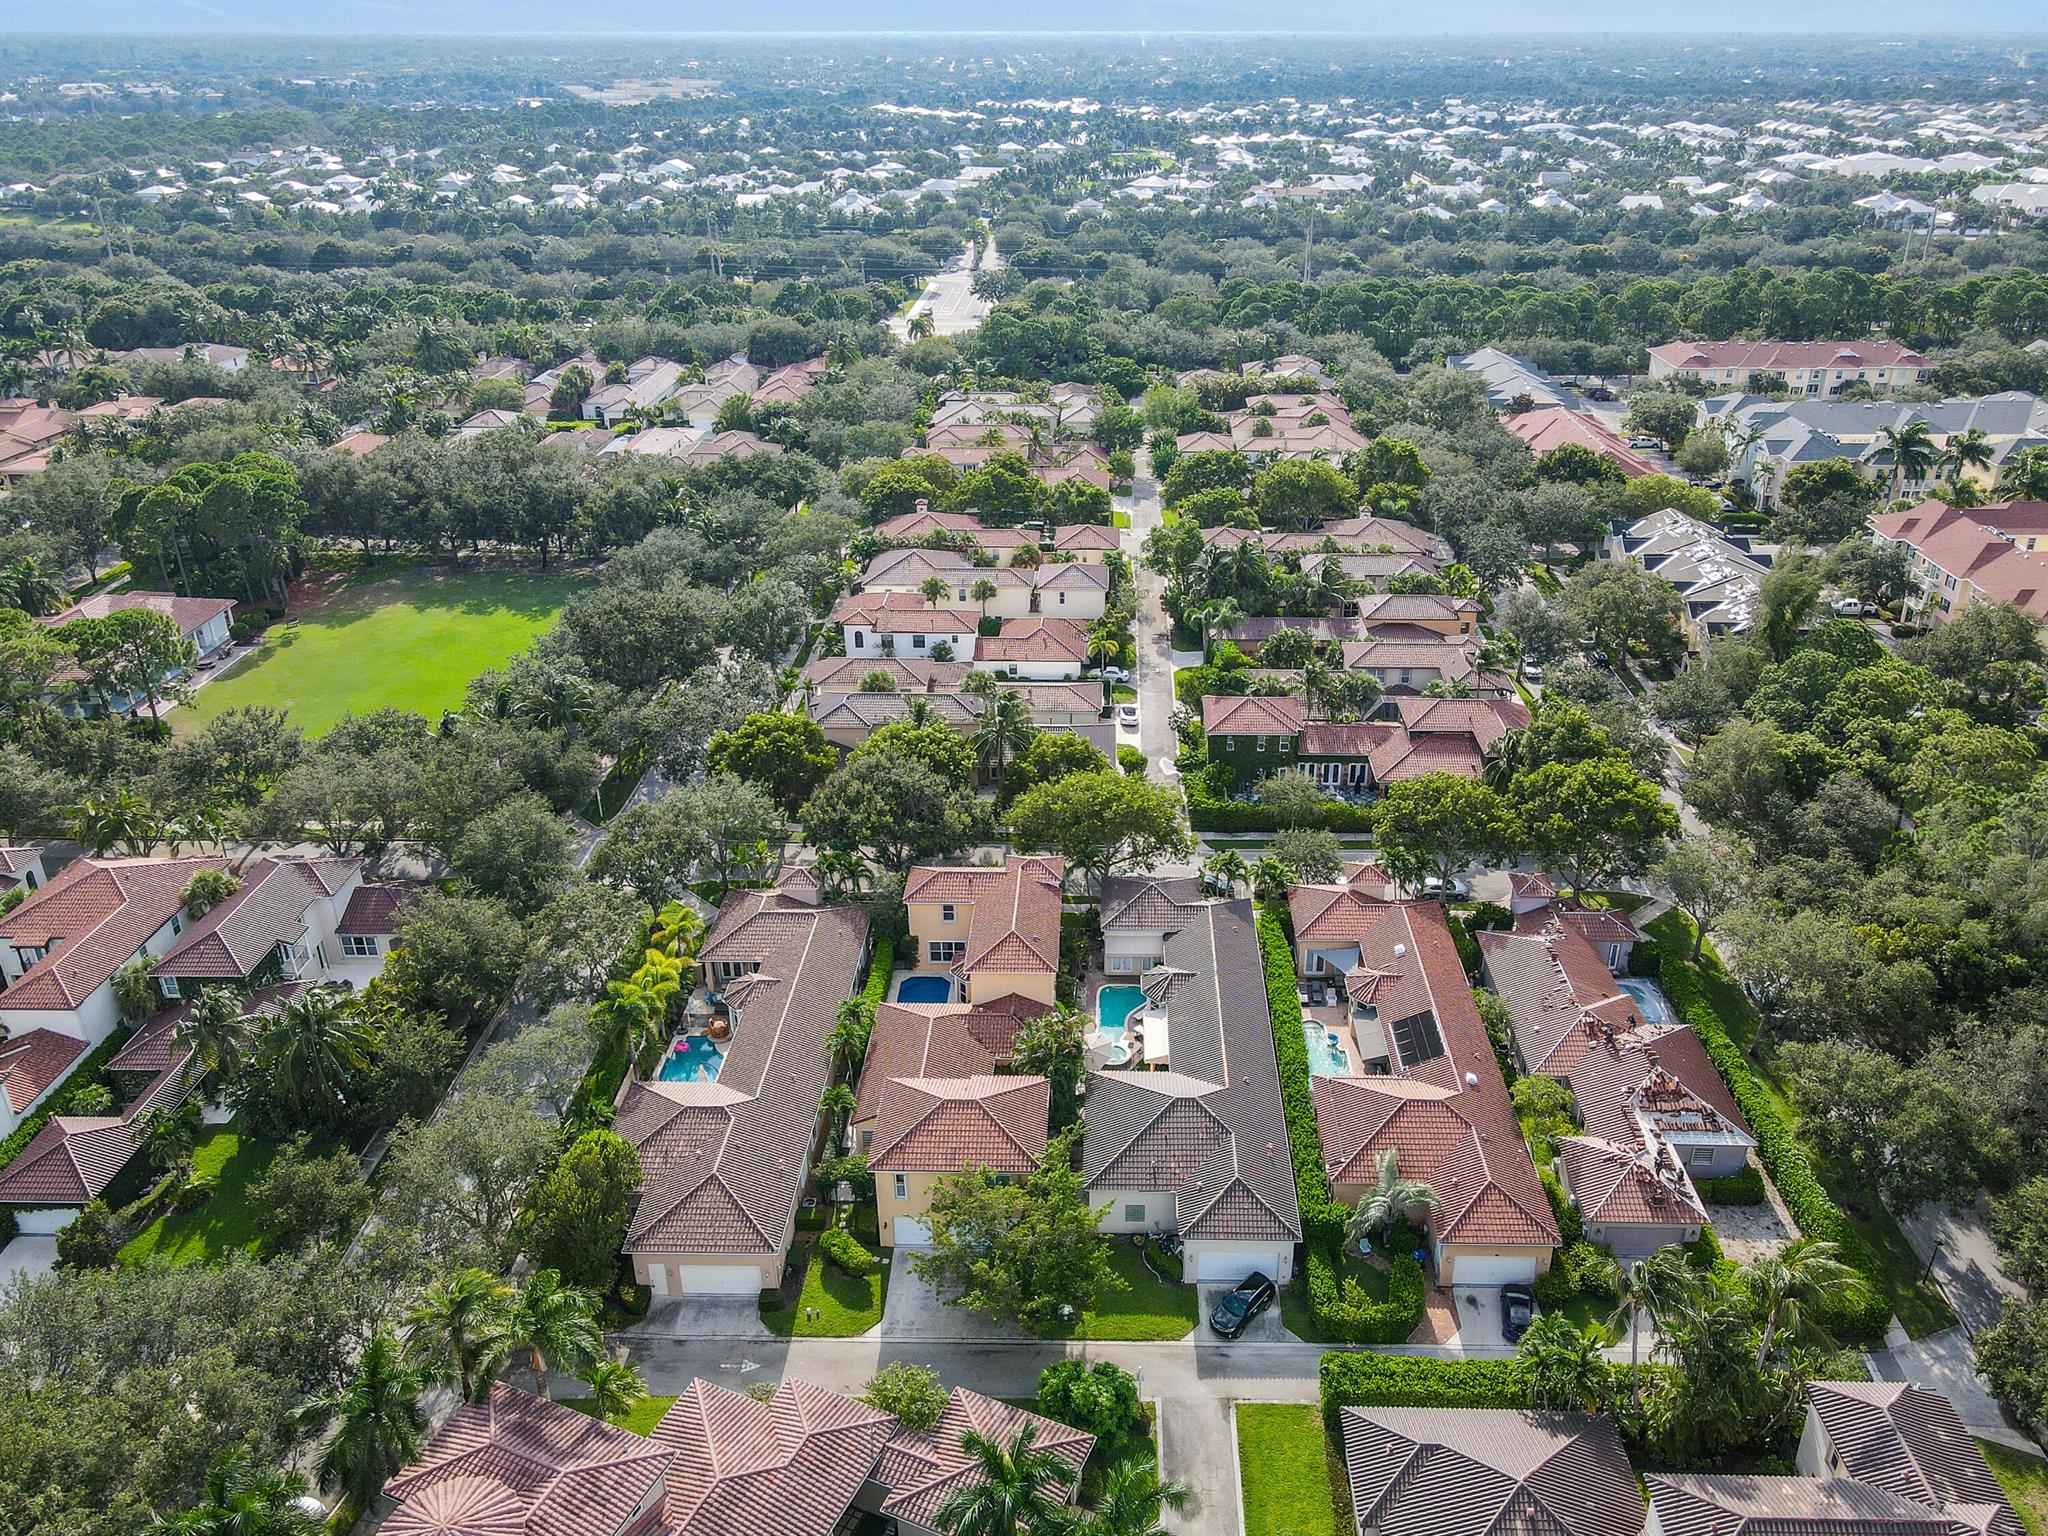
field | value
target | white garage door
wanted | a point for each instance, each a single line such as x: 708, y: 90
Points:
x: 1493, y: 1269
x: 912, y: 1233
x: 1228, y: 1268
x: 717, y: 1279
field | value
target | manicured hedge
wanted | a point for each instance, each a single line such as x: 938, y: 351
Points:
x: 1210, y: 812
x: 1341, y: 1307
x: 91, y: 1072
x: 1744, y: 1188
x: 1418, y: 1381
x: 845, y: 1252
x: 1862, y: 1316
x: 881, y: 963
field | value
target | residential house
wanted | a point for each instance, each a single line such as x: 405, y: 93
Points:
x: 1260, y: 734
x: 1908, y: 1440
x: 735, y: 377
x: 994, y: 930
x: 1958, y: 562
x: 1736, y: 1504
x: 882, y: 624
x: 1814, y: 369
x: 725, y: 1155
x: 1432, y: 1094
x: 1416, y: 666
x: 21, y: 869
x: 1041, y: 647
x: 1774, y: 437
x: 29, y: 434
x: 1067, y: 590
x: 1479, y: 1471
x: 1137, y: 914
x: 1719, y: 582
x: 1253, y: 734
x: 204, y: 622
x: 934, y: 1040
x: 1090, y: 543
x: 77, y: 1158
x: 1549, y: 428
x: 648, y: 382
x: 1510, y: 380
x: 226, y: 358
x: 1075, y: 709
x: 928, y: 1127
x: 2023, y: 522
x: 1413, y: 615
x: 845, y: 674
x: 1186, y: 1133
x: 282, y: 923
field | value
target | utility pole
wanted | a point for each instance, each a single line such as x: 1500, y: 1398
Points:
x: 1309, y: 247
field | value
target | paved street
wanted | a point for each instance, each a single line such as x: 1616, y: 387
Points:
x: 949, y: 298
x: 1153, y: 632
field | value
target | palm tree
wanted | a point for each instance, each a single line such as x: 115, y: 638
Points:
x: 1229, y: 870
x: 1014, y: 1490
x: 844, y: 875
x: 216, y: 1030
x: 170, y: 1134
x: 1223, y: 613
x: 1133, y: 1499
x: 457, y: 1330
x: 554, y: 1323
x: 2025, y: 476
x: 28, y: 584
x: 376, y: 1421
x: 854, y: 1025
x: 1913, y: 453
x: 1271, y: 880
x: 1004, y: 732
x: 983, y: 592
x: 313, y: 1047
x: 616, y: 1388
x: 920, y: 326
x: 240, y: 1498
x: 127, y: 821
x: 1966, y: 451
x: 1652, y: 1285
x: 1785, y: 1283
x: 1563, y: 1363
x: 934, y: 589
x: 1390, y: 1198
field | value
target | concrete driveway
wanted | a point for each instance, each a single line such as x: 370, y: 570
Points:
x: 26, y: 1258
x: 700, y: 1317
x: 915, y: 1312
x: 1478, y: 1319
x: 1266, y: 1328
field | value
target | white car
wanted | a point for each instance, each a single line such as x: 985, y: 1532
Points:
x: 1116, y: 674
x: 1127, y: 716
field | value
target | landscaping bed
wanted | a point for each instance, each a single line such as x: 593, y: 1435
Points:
x: 641, y: 1420
x: 222, y: 1224
x: 846, y: 1305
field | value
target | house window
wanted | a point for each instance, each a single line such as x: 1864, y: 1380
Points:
x: 860, y: 639
x: 946, y: 951
x: 169, y: 984
x: 1262, y: 744
x: 177, y: 923
x: 1134, y: 1213
x: 27, y: 955
x: 1119, y: 962
x: 902, y: 1186
x: 918, y: 641
x: 1699, y: 1156
x: 945, y: 911
x: 358, y: 945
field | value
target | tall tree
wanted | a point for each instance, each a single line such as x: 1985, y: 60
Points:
x: 458, y: 1330
x: 374, y: 1419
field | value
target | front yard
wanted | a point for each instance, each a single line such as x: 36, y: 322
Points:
x: 1284, y: 1471
x: 844, y: 1305
x: 2025, y: 1480
x: 226, y: 1221
x: 1148, y: 1309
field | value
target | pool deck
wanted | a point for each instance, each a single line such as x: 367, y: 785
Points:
x: 1336, y: 1016
x: 896, y: 983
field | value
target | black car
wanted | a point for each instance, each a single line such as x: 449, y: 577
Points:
x: 1234, y: 1312
x: 1517, y: 1311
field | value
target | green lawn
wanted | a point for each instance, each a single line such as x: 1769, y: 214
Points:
x: 408, y: 636
x: 1283, y: 1469
x: 1920, y: 1307
x: 2025, y: 1480
x: 209, y: 1233
x: 1294, y: 1308
x: 645, y: 1415
x: 1148, y: 1309
x: 846, y: 1306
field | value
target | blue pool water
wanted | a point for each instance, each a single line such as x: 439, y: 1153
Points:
x: 1113, y: 1009
x: 924, y: 989
x: 692, y: 1059
x: 1649, y: 1000
x: 1326, y: 1058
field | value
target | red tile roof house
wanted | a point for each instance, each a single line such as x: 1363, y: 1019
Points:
x: 994, y: 930
x: 927, y: 1127
x: 885, y: 624
x: 23, y: 867
x: 1036, y: 648
x: 1958, y: 561
x: 724, y: 1158
x: 1198, y: 1147
x: 76, y: 1158
x: 1815, y: 369
x: 1443, y: 1107
x: 933, y: 1040
x: 202, y: 620
x: 281, y: 924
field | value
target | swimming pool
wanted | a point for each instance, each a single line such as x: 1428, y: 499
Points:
x: 1113, y: 1009
x: 924, y: 989
x: 1326, y: 1057
x: 692, y: 1059
x: 1650, y: 1001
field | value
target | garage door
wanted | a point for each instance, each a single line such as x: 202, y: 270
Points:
x: 1228, y: 1268
x: 717, y: 1279
x: 912, y: 1233
x: 1492, y: 1269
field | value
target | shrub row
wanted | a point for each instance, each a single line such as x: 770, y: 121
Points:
x: 1864, y: 1315
x: 881, y: 962
x: 90, y: 1073
x: 1340, y: 1305
x: 845, y: 1252
x: 1744, y: 1188
x: 1418, y: 1381
x: 1209, y: 811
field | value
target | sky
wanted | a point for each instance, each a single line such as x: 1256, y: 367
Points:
x: 1931, y: 18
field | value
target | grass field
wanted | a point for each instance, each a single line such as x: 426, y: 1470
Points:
x: 1284, y: 1471
x: 1147, y: 1309
x: 208, y: 1233
x: 402, y: 635
x: 846, y: 1305
x: 2025, y: 1479
x: 645, y: 1415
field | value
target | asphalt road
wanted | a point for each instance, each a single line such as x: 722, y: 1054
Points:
x: 1153, y: 632
x: 949, y: 298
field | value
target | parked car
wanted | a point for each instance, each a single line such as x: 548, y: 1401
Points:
x: 1235, y: 1312
x: 1517, y: 1311
x: 1532, y: 672
x: 1127, y: 716
x: 1116, y: 674
x: 1453, y: 889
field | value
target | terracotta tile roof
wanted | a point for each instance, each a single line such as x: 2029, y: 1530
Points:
x: 922, y: 1469
x: 1085, y: 536
x: 1211, y: 1131
x: 1774, y: 356
x: 32, y: 1063
x: 1148, y: 905
x: 1479, y: 1471
x: 75, y: 1157
x: 1697, y: 1504
x: 1412, y: 607
x: 377, y: 909
x: 915, y: 525
x: 1250, y: 714
x: 270, y: 908
x: 100, y: 912
x: 1909, y: 1440
x: 1035, y: 639
x: 904, y: 613
x: 945, y: 1124
x: 722, y: 1161
x: 14, y: 860
x: 934, y: 1040
x: 1659, y: 1073
x: 1015, y: 924
x: 1627, y: 1184
x: 515, y: 1465
x: 188, y: 613
x: 1357, y: 738
x: 787, y: 1467
x: 1484, y: 720
x: 1561, y: 997
x: 844, y: 674
x: 1551, y: 427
